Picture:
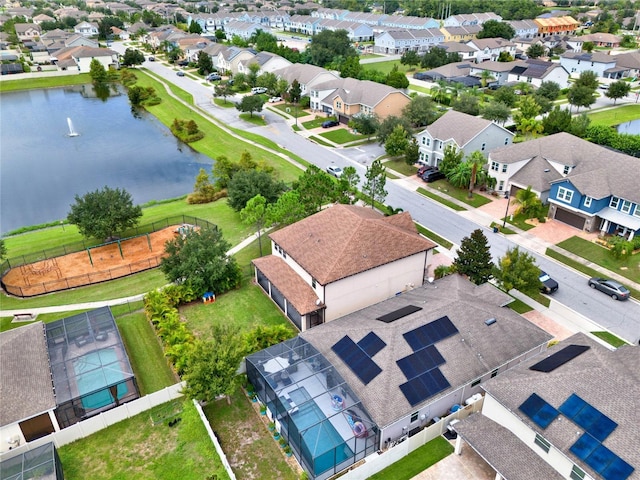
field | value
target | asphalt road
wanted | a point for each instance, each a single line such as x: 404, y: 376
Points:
x: 622, y: 318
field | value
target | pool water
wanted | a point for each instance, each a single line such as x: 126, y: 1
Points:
x: 95, y: 371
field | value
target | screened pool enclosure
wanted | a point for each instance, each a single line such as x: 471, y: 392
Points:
x: 90, y: 368
x: 313, y: 408
x: 41, y: 463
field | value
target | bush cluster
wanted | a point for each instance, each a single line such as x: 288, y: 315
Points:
x: 186, y: 130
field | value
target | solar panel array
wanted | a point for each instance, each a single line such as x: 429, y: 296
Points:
x: 424, y: 378
x: 398, y: 314
x: 539, y: 411
x: 357, y: 356
x: 600, y: 458
x: 595, y: 423
x: 559, y: 358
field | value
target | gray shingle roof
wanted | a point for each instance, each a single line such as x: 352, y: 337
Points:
x: 475, y: 351
x: 537, y: 173
x: 608, y: 380
x: 458, y: 126
x: 26, y: 388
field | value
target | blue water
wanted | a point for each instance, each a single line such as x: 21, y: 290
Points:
x: 95, y: 371
x: 631, y: 128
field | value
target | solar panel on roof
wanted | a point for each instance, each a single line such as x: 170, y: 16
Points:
x: 398, y: 314
x: 424, y: 386
x: 596, y: 423
x: 559, y: 358
x: 356, y: 359
x: 430, y: 333
x: 371, y: 344
x: 420, y: 362
x: 538, y: 410
x: 600, y: 458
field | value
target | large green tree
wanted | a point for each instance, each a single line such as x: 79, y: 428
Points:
x: 496, y: 29
x: 287, y: 209
x: 535, y: 51
x: 255, y: 214
x: 619, y: 89
x: 250, y: 103
x: 421, y: 111
x: 315, y: 188
x: 496, y: 112
x: 581, y: 96
x: 518, y: 270
x: 104, y: 213
x: 205, y: 64
x: 199, y: 260
x: 365, y: 124
x: 132, y: 56
x: 476, y: 160
x: 375, y: 180
x: 328, y: 46
x: 467, y: 103
x: 474, y: 258
x: 397, y: 142
x: 558, y: 120
x: 451, y: 159
x: 246, y: 184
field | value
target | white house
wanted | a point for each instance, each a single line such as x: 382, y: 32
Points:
x: 307, y: 76
x: 268, y: 62
x: 396, y: 42
x: 80, y: 58
x: 340, y: 260
x: 569, y: 413
x: 469, y: 19
x: 462, y: 131
x: 600, y: 63
x: 534, y: 72
x: 524, y: 28
x: 86, y: 29
x: 489, y: 49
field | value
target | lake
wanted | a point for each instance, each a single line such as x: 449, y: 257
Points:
x: 42, y: 168
x: 630, y: 128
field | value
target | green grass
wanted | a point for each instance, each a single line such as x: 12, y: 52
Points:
x: 610, y: 338
x: 400, y: 166
x: 460, y: 194
x: 315, y: 123
x: 628, y: 268
x: 616, y: 116
x: 439, y: 199
x: 386, y: 67
x: 519, y: 221
x: 255, y: 119
x: 519, y: 306
x: 419, y: 88
x: 250, y: 448
x: 44, y: 82
x: 505, y: 230
x: 224, y: 103
x: 290, y: 110
x: 320, y: 141
x: 342, y: 135
x: 145, y: 353
x: 135, y: 448
x: 417, y: 461
x: 435, y: 237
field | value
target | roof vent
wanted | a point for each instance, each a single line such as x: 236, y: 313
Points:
x: 546, y: 170
x: 490, y: 321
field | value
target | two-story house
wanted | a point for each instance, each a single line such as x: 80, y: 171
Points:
x: 569, y: 413
x: 307, y: 76
x: 556, y: 25
x: 268, y: 62
x: 396, y: 42
x: 28, y: 31
x: 340, y: 260
x: 489, y: 49
x: 534, y: 72
x: 468, y: 19
x: 460, y: 34
x: 600, y: 63
x: 86, y: 29
x: 588, y: 186
x: 463, y: 132
x: 524, y: 28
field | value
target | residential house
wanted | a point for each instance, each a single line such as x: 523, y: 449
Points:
x: 28, y: 31
x: 243, y: 30
x: 25, y: 12
x: 356, y: 32
x: 79, y: 58
x: 524, y: 28
x: 499, y: 71
x: 562, y: 43
x: 349, y: 97
x: 563, y: 25
x: 601, y: 39
x: 569, y: 413
x: 460, y: 34
x: 340, y: 260
x: 307, y: 76
x: 455, y: 72
x: 86, y: 29
x: 304, y: 24
x: 397, y: 42
x: 470, y: 19
x: 630, y: 62
x: 463, y: 132
x: 230, y: 58
x: 534, y: 72
x: 409, y: 23
x: 38, y: 19
x: 120, y: 34
x: 489, y: 49
x: 603, y: 65
x: 466, y: 52
x: 385, y: 372
x: 590, y: 187
x: 96, y: 17
x: 268, y: 62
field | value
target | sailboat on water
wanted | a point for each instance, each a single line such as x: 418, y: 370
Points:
x: 72, y: 132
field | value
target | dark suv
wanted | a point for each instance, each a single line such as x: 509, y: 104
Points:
x: 424, y: 169
x: 420, y: 76
x: 432, y: 175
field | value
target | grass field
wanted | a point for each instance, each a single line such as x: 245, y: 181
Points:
x: 342, y: 135
x: 44, y: 82
x: 616, y: 116
x: 400, y: 166
x: 417, y: 461
x: 386, y: 67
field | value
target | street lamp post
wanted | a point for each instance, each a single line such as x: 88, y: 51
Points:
x: 506, y: 213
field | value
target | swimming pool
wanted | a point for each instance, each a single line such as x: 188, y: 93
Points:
x: 95, y: 371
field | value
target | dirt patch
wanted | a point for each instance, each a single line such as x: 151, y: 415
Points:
x: 94, y: 265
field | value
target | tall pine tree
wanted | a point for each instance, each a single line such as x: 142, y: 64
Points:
x: 474, y: 258
x: 376, y: 178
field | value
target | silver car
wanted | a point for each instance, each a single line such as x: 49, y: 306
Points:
x: 615, y: 290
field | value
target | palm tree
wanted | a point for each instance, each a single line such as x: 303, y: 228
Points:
x: 527, y: 201
x: 530, y: 127
x: 476, y: 159
x: 485, y: 77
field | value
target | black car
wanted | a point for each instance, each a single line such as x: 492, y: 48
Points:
x: 420, y: 76
x: 432, y: 175
x: 183, y: 63
x: 615, y: 290
x: 549, y: 285
x: 330, y: 123
x: 424, y: 169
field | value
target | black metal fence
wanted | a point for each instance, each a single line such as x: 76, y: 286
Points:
x: 91, y: 278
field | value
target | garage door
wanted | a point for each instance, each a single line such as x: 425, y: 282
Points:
x: 514, y: 190
x: 570, y: 218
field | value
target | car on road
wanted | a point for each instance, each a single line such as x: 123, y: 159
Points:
x: 183, y: 63
x: 432, y: 175
x: 275, y: 99
x: 549, y: 285
x: 212, y: 77
x: 330, y: 123
x: 258, y: 90
x: 334, y: 170
x: 152, y: 59
x: 615, y: 290
x: 180, y: 73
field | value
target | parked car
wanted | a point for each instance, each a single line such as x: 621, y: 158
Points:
x: 424, y: 169
x: 212, y: 77
x: 549, y: 285
x: 152, y: 59
x: 330, y: 123
x: 432, y: 175
x: 420, y: 76
x: 615, y: 290
x: 334, y: 170
x: 183, y: 63
x: 275, y: 99
x: 180, y: 73
x: 258, y: 90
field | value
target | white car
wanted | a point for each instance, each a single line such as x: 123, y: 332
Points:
x: 258, y: 90
x: 334, y: 170
x: 275, y: 99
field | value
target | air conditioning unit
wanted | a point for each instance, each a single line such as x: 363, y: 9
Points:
x: 473, y: 399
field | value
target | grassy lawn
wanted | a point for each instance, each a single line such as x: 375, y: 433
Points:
x: 291, y: 110
x: 505, y: 230
x: 342, y: 135
x: 135, y: 448
x: 145, y: 353
x: 386, y: 67
x: 250, y: 448
x: 254, y: 119
x: 610, y: 338
x: 320, y: 141
x: 315, y: 123
x: 400, y: 166
x: 616, y: 116
x: 417, y: 461
x: 439, y: 199
x: 460, y: 194
x: 629, y: 268
x: 519, y: 221
x: 435, y: 237
x: 224, y: 103
x: 44, y: 82
x: 519, y: 306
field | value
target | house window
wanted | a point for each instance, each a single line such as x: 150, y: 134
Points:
x: 414, y: 417
x: 577, y: 473
x: 338, y: 104
x: 428, y: 142
x: 566, y: 170
x: 587, y: 201
x: 476, y: 382
x: 504, y: 168
x: 614, y: 202
x: 495, y: 166
x: 494, y: 373
x: 564, y: 194
x: 506, y: 140
x: 424, y: 140
x: 636, y: 213
x: 484, y: 145
x: 542, y: 443
x: 501, y: 185
x: 626, y: 206
x: 313, y: 282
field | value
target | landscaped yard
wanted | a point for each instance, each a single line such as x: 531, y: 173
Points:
x: 342, y: 135
x: 400, y: 166
x: 417, y: 461
x: 136, y: 448
x: 616, y: 116
x: 460, y: 194
x: 386, y: 67
x: 439, y: 199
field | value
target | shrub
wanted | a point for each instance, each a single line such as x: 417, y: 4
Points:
x: 186, y: 130
x: 442, y: 271
x: 620, y: 248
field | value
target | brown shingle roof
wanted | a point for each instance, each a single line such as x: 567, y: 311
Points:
x: 26, y: 388
x: 345, y: 240
x: 290, y: 284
